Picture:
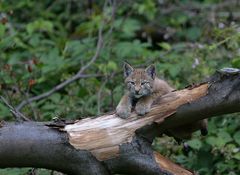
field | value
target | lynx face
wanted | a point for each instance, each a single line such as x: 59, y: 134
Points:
x: 139, y: 82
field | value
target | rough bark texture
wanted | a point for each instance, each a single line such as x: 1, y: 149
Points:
x: 107, y: 144
x: 103, y: 135
x: 32, y: 144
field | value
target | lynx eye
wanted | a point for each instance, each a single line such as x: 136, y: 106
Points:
x: 131, y: 82
x: 144, y: 83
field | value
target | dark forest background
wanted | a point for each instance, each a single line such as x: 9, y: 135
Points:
x: 44, y: 43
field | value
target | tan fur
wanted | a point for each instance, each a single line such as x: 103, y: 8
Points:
x: 143, y: 104
x: 154, y: 89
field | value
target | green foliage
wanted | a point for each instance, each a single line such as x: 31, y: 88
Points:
x: 206, y: 153
x: 43, y: 43
x: 24, y: 171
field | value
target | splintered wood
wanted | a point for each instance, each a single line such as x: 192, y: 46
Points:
x: 168, y: 165
x: 103, y: 135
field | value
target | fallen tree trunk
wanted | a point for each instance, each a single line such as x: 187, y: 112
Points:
x: 108, y: 144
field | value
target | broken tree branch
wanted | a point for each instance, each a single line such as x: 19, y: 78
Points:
x: 111, y: 145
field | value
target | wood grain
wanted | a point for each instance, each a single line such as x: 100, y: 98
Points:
x: 104, y: 134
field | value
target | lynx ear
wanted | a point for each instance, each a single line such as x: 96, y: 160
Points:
x: 151, y: 71
x: 127, y: 69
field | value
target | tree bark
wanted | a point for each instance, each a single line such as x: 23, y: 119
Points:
x: 108, y: 144
x: 32, y: 144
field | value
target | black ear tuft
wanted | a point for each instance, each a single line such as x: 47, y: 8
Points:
x: 128, y: 69
x: 151, y: 71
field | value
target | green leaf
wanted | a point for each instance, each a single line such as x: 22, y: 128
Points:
x: 236, y: 62
x: 14, y: 171
x: 165, y: 46
x: 219, y: 141
x: 214, y: 141
x: 2, y: 30
x: 82, y: 92
x: 195, y: 143
x: 237, y: 156
x: 56, y: 97
x: 49, y: 106
x: 112, y: 66
x: 20, y: 43
x: 236, y: 137
x: 174, y: 70
x: 146, y: 8
x: 132, y: 49
x: 7, y: 42
x: 129, y: 27
x: 225, y: 136
x: 4, y: 111
x: 40, y: 24
x: 193, y: 33
x: 212, y: 47
x: 52, y: 61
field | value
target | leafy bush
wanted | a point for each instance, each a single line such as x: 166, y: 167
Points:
x: 46, y: 42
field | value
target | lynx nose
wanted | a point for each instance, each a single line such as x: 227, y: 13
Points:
x: 137, y: 91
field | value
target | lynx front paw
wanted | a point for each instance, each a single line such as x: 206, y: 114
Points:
x: 142, y: 109
x: 123, y: 112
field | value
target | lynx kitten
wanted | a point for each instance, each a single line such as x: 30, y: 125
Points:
x: 142, y: 88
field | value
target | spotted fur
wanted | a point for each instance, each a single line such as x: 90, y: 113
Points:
x: 142, y: 87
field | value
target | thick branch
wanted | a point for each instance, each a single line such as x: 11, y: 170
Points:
x: 223, y: 98
x: 104, y: 134
x: 32, y: 144
x: 36, y: 145
x: 118, y: 145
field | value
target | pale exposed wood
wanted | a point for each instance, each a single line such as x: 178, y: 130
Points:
x: 51, y: 148
x: 104, y: 134
x: 105, y: 153
x: 169, y: 166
